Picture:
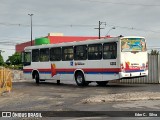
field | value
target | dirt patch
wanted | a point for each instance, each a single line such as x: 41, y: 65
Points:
x: 122, y: 97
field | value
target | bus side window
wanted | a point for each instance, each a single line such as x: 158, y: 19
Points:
x: 44, y: 54
x: 67, y: 53
x: 27, y: 58
x: 55, y: 54
x: 95, y: 52
x: 110, y: 51
x: 80, y: 52
x: 35, y: 55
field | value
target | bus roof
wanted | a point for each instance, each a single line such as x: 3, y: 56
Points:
x: 132, y: 37
x: 89, y: 41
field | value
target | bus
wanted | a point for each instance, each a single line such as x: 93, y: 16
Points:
x: 99, y: 60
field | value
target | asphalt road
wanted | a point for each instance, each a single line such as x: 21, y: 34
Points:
x: 48, y: 96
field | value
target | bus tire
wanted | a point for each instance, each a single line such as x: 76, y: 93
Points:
x: 58, y: 82
x: 80, y: 80
x: 102, y: 83
x: 36, y: 77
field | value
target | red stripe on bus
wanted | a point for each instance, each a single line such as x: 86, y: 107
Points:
x: 101, y: 69
x: 27, y: 70
x: 73, y: 69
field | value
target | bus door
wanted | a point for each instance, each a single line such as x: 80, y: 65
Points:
x: 93, y: 67
x: 110, y: 61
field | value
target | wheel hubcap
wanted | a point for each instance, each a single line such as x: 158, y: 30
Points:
x: 79, y: 79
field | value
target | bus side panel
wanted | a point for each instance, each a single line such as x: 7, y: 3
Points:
x: 27, y: 74
x: 111, y: 69
x: 93, y: 77
x: 67, y: 77
x: 63, y: 70
x: 42, y: 68
x: 92, y: 70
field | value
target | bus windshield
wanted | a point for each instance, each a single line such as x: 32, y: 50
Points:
x: 133, y: 45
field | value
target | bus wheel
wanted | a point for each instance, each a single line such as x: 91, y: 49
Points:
x: 58, y: 82
x: 79, y: 77
x: 36, y: 77
x: 102, y: 83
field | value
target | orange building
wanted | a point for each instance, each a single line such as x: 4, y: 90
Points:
x: 55, y: 39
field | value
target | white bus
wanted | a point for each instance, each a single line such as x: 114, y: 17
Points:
x: 87, y: 61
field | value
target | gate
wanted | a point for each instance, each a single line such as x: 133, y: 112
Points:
x: 5, y: 80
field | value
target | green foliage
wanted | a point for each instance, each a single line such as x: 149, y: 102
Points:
x: 14, y: 66
x: 1, y: 60
x: 14, y: 61
x: 154, y: 52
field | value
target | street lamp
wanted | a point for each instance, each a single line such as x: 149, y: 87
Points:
x: 110, y: 30
x: 31, y: 27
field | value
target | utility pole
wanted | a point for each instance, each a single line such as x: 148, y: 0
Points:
x: 31, y: 27
x: 99, y: 28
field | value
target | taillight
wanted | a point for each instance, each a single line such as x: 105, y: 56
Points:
x: 122, y: 67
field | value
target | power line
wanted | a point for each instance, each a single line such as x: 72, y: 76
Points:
x: 133, y: 28
x: 123, y: 3
x: 7, y: 48
x: 12, y: 24
x: 82, y: 25
x: 137, y: 29
x: 9, y: 44
x: 10, y: 41
x: 153, y: 46
x: 38, y: 25
x: 13, y: 38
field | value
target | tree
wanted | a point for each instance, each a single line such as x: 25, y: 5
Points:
x: 154, y: 52
x: 1, y: 60
x: 15, y: 59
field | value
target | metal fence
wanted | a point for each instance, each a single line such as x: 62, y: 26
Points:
x: 153, y: 72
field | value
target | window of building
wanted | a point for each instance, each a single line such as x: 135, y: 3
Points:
x: 55, y: 54
x: 110, y: 51
x: 80, y: 52
x: 67, y: 53
x: 35, y: 55
x: 95, y: 52
x: 44, y: 54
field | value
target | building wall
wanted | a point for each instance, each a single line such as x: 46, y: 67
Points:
x: 55, y: 39
x: 20, y: 47
x: 60, y: 39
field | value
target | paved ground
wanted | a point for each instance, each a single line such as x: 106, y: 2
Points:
x: 48, y: 96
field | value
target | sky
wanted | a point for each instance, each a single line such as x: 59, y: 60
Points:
x: 77, y: 18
